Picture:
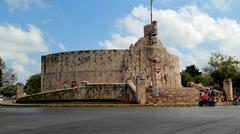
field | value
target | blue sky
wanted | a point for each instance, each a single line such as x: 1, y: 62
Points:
x: 191, y: 29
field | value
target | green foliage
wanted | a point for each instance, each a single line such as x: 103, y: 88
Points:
x: 193, y: 71
x: 33, y: 84
x: 190, y: 74
x: 186, y: 77
x: 8, y: 90
x: 235, y: 82
x: 205, y: 79
x: 222, y: 67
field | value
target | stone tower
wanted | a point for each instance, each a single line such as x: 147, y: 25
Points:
x: 148, y: 58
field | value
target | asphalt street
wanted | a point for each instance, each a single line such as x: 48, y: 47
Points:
x: 128, y: 120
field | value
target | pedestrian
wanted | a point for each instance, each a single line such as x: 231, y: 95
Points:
x: 200, y: 103
x: 205, y: 98
x: 72, y: 84
x: 65, y: 85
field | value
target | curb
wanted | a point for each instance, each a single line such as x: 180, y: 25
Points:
x: 95, y: 105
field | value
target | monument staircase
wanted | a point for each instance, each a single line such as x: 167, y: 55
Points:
x: 188, y: 96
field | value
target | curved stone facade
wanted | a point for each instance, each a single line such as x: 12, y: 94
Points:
x: 147, y: 57
x: 94, y: 66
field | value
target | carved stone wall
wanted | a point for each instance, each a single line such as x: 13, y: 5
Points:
x: 120, y: 92
x: 149, y: 58
x: 94, y: 66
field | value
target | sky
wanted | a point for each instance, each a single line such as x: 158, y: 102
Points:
x: 190, y: 29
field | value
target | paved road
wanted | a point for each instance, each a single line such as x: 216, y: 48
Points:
x: 138, y: 120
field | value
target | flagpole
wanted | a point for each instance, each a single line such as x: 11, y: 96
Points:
x: 151, y: 10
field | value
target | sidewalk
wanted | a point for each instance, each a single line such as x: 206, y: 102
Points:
x: 93, y: 105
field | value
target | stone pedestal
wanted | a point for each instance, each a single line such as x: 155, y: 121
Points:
x: 227, y: 86
x: 20, y: 90
x: 141, y: 90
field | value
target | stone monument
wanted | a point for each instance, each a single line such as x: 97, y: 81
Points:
x: 227, y: 86
x: 20, y: 90
x: 145, y: 63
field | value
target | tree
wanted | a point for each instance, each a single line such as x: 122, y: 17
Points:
x: 8, y: 90
x: 222, y: 67
x: 7, y: 76
x: 7, y: 79
x: 205, y: 79
x: 236, y: 85
x: 191, y: 73
x: 2, y: 66
x: 193, y: 70
x: 33, y: 84
x: 186, y: 77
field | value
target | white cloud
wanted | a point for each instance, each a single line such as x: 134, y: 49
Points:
x: 195, y: 56
x: 24, y: 4
x: 61, y: 46
x: 188, y: 32
x: 13, y: 38
x: 118, y: 41
x: 16, y: 44
x: 20, y: 70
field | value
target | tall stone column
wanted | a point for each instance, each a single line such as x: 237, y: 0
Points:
x: 141, y: 90
x: 227, y: 86
x: 20, y: 90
